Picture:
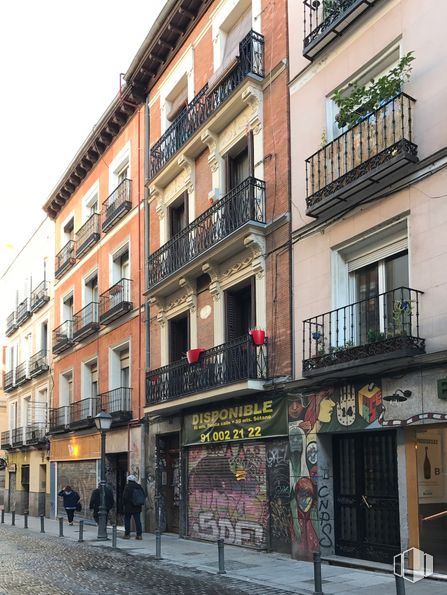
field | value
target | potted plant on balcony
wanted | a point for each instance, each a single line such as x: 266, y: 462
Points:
x: 257, y: 335
x: 193, y: 355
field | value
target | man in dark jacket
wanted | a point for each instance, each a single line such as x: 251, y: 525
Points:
x: 95, y: 501
x: 132, y: 495
x: 71, y: 501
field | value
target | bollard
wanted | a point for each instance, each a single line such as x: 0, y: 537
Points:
x: 61, y: 526
x: 42, y: 523
x: 13, y: 517
x: 221, y: 558
x: 81, y: 531
x: 25, y: 520
x: 157, y: 545
x: 113, y: 535
x: 317, y: 574
x: 3, y: 515
x: 400, y: 585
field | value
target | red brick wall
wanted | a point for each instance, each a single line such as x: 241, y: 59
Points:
x: 203, y: 182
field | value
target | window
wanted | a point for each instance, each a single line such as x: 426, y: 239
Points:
x: 90, y: 389
x: 178, y: 330
x: 240, y: 309
x: 91, y: 289
x: 27, y: 414
x: 67, y: 307
x: 239, y: 163
x: 177, y: 100
x: 44, y: 337
x: 68, y: 231
x: 13, y: 415
x: 66, y: 389
x: 229, y: 29
x: 119, y: 170
x: 178, y: 214
x: 120, y: 367
x: 121, y: 265
x: 124, y: 369
x: 40, y: 412
x: 123, y: 173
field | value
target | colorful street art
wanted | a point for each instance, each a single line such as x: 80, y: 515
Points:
x: 348, y: 408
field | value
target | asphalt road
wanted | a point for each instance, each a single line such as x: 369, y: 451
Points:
x: 45, y: 565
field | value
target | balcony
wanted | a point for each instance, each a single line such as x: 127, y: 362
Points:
x: 23, y: 312
x: 65, y: 259
x: 39, y: 296
x: 207, y: 102
x: 242, y: 205
x: 8, y: 384
x: 366, y: 332
x: 115, y: 302
x: 11, y: 325
x: 38, y: 363
x: 59, y: 419
x: 87, y: 235
x: 225, y: 364
x: 326, y: 20
x: 63, y: 337
x: 82, y: 413
x: 6, y: 441
x: 86, y: 321
x: 35, y: 434
x: 118, y: 402
x: 363, y: 161
x: 22, y: 375
x: 116, y: 205
x: 17, y: 437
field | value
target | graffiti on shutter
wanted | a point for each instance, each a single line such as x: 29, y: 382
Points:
x: 278, y: 480
x: 227, y: 493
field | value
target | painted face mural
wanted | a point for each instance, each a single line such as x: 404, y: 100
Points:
x: 346, y: 406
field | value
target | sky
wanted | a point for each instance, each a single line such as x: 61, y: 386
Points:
x: 60, y: 69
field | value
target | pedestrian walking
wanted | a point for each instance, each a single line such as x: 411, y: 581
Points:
x: 95, y: 501
x: 71, y: 502
x: 133, y: 499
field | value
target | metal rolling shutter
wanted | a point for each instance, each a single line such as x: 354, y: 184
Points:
x: 227, y: 493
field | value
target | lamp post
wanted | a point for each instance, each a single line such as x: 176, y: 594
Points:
x: 103, y: 421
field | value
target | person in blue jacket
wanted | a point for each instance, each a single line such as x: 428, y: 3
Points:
x: 71, y: 500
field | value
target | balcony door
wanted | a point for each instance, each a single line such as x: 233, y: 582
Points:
x: 239, y: 164
x: 240, y: 309
x: 178, y: 337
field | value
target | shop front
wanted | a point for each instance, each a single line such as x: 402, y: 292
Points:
x: 237, y: 473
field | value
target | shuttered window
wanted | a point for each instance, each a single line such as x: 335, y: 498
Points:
x: 240, y: 310
x: 125, y: 368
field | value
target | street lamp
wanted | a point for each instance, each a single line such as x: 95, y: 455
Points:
x: 103, y: 421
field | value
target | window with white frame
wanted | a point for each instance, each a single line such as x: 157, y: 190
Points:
x: 67, y: 230
x: 13, y: 415
x: 66, y: 388
x: 27, y: 413
x: 121, y: 264
x: 120, y: 367
x: 67, y: 307
x: 90, y: 202
x: 119, y: 170
x: 90, y: 380
x: 91, y: 291
x: 177, y: 90
x: 40, y: 409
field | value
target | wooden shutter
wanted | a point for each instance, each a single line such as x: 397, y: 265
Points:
x: 232, y: 316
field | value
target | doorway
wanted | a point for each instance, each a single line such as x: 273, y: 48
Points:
x: 169, y: 482
x: 366, y: 501
x: 116, y: 474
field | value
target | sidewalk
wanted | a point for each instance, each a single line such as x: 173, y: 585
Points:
x: 266, y: 569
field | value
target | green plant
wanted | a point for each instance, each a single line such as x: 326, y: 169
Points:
x: 374, y: 335
x: 363, y: 99
x: 402, y: 310
x: 335, y: 7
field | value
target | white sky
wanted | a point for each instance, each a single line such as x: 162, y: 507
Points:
x: 60, y: 65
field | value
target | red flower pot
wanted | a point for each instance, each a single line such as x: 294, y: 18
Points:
x: 193, y: 355
x: 258, y: 336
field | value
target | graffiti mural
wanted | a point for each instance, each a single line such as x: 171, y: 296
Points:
x: 227, y: 493
x: 278, y: 495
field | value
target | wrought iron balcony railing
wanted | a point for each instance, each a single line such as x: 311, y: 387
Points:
x: 82, y: 413
x: 242, y: 204
x: 35, y: 434
x: 63, y: 337
x: 11, y: 325
x: 358, y: 163
x: 8, y: 384
x: 86, y: 321
x: 23, y: 312
x: 379, y: 327
x: 115, y: 302
x: 118, y: 402
x: 87, y: 235
x: 38, y: 363
x: 116, y: 205
x: 22, y: 375
x: 325, y: 20
x: 59, y: 419
x: 65, y: 259
x: 17, y: 435
x: 39, y: 296
x: 206, y: 103
x: 225, y: 364
x: 6, y: 441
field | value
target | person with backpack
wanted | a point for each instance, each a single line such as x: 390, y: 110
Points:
x: 133, y: 499
x: 71, y: 502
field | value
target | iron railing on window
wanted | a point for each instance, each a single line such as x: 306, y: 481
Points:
x: 204, y: 104
x: 39, y: 296
x: 17, y: 436
x: 377, y: 138
x: 115, y: 301
x: 319, y: 16
x: 86, y: 321
x: 21, y: 373
x: 23, y: 312
x: 386, y: 323
x: 117, y: 400
x: 38, y: 363
x: 59, y: 418
x: 11, y: 325
x: 242, y: 204
x: 224, y: 364
x: 116, y: 205
x: 63, y: 336
x: 87, y: 235
x: 84, y: 411
x: 8, y: 384
x: 6, y: 441
x: 35, y: 433
x: 65, y: 259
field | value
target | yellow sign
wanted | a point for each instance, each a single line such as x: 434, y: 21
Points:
x: 75, y: 448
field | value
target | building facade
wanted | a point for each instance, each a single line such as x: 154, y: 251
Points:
x: 98, y: 338
x: 367, y: 410
x: 27, y: 382
x: 217, y: 273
